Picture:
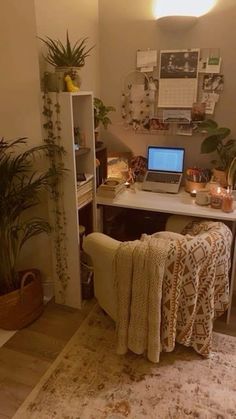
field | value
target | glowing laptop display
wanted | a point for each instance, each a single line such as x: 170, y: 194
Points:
x: 165, y: 169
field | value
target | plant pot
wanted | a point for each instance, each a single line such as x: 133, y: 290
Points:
x: 21, y: 307
x: 191, y: 186
x: 73, y: 72
x: 98, y: 143
x: 55, y: 82
x: 220, y: 177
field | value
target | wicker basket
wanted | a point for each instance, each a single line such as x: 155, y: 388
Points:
x: 191, y: 186
x: 21, y: 307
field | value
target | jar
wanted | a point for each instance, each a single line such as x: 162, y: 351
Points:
x: 217, y: 198
x: 228, y: 201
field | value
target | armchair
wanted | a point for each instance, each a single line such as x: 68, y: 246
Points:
x: 101, y: 249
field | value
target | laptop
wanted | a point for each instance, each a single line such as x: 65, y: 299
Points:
x: 165, y: 169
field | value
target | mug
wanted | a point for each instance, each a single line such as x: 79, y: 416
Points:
x: 202, y: 197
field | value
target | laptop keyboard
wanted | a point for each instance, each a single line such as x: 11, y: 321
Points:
x: 163, y: 177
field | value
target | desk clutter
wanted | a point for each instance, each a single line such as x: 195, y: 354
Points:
x: 208, y: 191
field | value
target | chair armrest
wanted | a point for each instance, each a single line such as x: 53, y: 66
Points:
x: 99, y: 247
x: 102, y: 249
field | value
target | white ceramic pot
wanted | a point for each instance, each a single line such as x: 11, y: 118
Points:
x: 73, y: 72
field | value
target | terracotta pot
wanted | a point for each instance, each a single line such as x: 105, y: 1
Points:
x: 21, y: 307
x: 220, y: 177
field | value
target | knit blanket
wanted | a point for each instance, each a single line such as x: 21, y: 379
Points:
x: 171, y: 287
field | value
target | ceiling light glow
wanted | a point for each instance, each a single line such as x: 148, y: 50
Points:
x: 197, y: 8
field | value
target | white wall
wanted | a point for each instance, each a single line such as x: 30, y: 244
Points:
x: 20, y: 99
x: 126, y: 27
x: 54, y: 17
x: 19, y: 73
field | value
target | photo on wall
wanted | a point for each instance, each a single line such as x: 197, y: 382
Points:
x: 213, y: 82
x: 179, y: 64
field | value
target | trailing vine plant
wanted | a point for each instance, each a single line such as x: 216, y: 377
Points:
x: 52, y: 127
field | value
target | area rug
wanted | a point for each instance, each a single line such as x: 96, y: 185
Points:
x: 90, y: 381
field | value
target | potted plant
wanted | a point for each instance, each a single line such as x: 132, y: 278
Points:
x: 101, y: 117
x: 215, y: 141
x: 67, y: 59
x: 21, y: 295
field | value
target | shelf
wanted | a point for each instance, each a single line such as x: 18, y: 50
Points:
x: 83, y: 204
x: 82, y: 151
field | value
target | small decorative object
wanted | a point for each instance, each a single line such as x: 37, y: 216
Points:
x: 217, y: 198
x: 228, y: 201
x: 193, y: 193
x: 70, y: 85
x: 215, y: 142
x: 118, y: 164
x: 67, y: 59
x: 138, y: 165
x: 202, y: 197
x: 76, y: 138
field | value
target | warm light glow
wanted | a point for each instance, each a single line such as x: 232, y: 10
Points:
x: 182, y: 7
x: 219, y: 190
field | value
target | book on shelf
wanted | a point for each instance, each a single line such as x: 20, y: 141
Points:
x: 111, y: 187
x: 84, y: 199
x: 85, y: 186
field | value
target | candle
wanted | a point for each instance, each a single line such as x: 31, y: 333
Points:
x: 217, y: 198
x: 127, y: 184
x: 193, y: 193
x: 228, y: 201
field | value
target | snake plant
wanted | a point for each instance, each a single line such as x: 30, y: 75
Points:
x: 67, y: 55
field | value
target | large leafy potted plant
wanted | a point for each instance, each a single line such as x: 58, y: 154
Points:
x: 21, y: 295
x: 67, y: 59
x: 216, y: 141
x: 101, y: 117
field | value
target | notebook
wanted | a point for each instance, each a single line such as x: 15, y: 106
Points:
x: 165, y: 169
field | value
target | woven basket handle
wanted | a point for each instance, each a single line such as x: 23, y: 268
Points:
x: 24, y: 278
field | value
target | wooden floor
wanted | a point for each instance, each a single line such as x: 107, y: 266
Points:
x: 30, y: 352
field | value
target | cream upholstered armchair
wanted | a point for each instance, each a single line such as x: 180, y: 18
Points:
x: 101, y: 249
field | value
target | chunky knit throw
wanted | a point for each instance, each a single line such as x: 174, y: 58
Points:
x: 170, y: 289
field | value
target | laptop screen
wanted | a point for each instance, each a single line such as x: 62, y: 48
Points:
x: 166, y: 159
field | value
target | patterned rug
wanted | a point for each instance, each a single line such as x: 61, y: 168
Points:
x: 90, y: 381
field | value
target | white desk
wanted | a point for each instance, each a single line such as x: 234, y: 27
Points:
x: 181, y: 204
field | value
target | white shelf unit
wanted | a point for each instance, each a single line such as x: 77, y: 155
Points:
x: 76, y: 110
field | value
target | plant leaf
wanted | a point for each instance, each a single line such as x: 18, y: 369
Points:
x: 209, y: 144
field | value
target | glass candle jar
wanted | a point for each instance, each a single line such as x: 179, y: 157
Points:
x: 217, y: 198
x: 228, y: 201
